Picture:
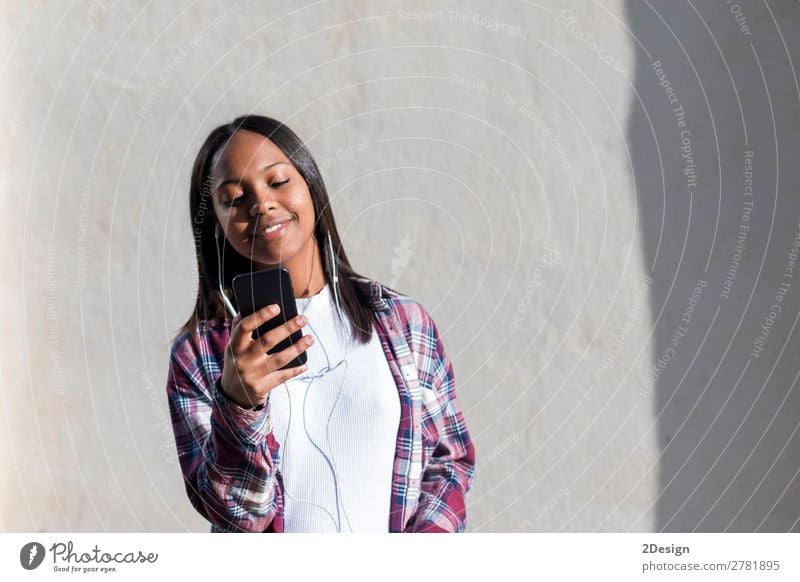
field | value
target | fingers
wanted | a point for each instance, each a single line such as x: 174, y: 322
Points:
x: 258, y: 371
x: 235, y: 321
x: 280, y: 359
x: 242, y: 330
x: 255, y: 319
x: 275, y: 336
x: 282, y: 375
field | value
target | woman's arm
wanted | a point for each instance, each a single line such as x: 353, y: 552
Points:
x: 224, y: 449
x: 447, y: 477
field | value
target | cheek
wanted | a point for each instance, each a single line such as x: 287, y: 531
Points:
x: 223, y: 213
x: 233, y: 219
x: 302, y: 206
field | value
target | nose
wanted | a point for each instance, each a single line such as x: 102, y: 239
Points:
x: 264, y: 202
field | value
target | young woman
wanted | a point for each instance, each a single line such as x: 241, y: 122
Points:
x: 368, y: 435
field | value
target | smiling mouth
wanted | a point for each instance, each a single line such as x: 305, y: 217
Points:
x: 273, y: 232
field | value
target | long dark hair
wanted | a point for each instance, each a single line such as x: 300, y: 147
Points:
x: 204, y: 220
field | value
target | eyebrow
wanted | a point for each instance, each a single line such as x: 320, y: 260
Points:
x: 237, y: 180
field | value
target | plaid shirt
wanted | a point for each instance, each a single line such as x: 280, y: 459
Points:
x: 228, y: 454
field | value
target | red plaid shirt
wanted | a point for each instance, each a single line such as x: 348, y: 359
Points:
x: 228, y: 454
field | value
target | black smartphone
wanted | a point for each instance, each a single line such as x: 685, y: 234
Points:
x: 257, y: 290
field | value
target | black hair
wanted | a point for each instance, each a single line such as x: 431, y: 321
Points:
x: 354, y: 303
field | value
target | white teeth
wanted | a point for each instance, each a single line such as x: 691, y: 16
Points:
x: 272, y: 228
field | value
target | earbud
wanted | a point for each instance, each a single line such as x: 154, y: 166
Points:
x: 335, y: 272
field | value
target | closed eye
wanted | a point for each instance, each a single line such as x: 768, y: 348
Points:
x: 235, y: 201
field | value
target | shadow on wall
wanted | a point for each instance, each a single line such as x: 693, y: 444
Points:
x: 715, y: 148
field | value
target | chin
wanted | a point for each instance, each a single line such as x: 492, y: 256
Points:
x: 271, y: 261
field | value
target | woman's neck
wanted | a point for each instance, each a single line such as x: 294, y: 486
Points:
x: 305, y: 270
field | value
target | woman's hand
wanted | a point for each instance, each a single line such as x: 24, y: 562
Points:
x: 249, y: 373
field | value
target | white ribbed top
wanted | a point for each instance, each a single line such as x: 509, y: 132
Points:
x: 362, y: 429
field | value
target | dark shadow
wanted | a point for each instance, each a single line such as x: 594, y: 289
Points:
x: 726, y: 394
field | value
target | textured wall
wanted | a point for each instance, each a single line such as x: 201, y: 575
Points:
x: 514, y: 166
x: 714, y: 146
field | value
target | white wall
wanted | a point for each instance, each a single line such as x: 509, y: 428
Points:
x: 487, y: 161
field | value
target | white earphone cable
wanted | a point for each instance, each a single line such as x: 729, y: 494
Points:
x: 310, y: 379
x: 305, y: 378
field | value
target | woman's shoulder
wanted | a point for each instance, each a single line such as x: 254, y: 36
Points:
x: 387, y: 301
x: 408, y: 316
x: 380, y: 296
x: 205, y: 337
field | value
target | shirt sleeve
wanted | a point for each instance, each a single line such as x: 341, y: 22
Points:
x: 224, y: 450
x: 447, y: 477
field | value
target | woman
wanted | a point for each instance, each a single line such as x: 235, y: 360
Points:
x: 368, y: 436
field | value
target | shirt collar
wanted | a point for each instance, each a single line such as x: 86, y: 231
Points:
x: 376, y: 292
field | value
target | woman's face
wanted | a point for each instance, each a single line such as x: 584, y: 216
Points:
x: 255, y: 186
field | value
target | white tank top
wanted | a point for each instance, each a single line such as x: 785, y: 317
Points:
x: 361, y: 436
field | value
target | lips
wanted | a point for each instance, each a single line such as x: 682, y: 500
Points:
x: 279, y: 226
x: 262, y: 225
